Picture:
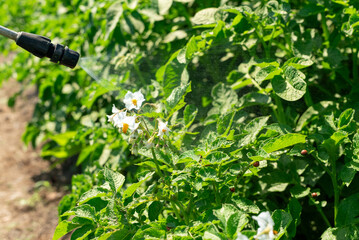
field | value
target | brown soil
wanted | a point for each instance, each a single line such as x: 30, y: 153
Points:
x: 28, y: 208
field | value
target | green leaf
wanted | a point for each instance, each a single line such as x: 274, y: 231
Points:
x: 88, y: 152
x: 189, y: 115
x: 123, y: 234
x: 92, y: 193
x: 292, y: 87
x: 208, y: 174
x: 347, y: 173
x: 347, y: 232
x: 275, y: 182
x: 232, y: 219
x: 224, y: 123
x: 345, y: 118
x: 246, y: 205
x: 115, y: 179
x: 332, y: 144
x: 154, y: 230
x: 283, y: 142
x: 213, y: 234
x: 252, y: 129
x: 224, y: 98
x: 113, y: 15
x: 267, y: 73
x: 313, y: 112
x: 154, y: 210
x: 176, y: 100
x: 299, y: 192
x: 252, y: 99
x: 281, y: 219
x: 132, y: 188
x: 92, y: 93
x: 310, y: 9
x: 205, y: 16
x: 82, y: 232
x: 348, y: 212
x: 172, y: 74
x: 298, y: 63
x: 61, y: 152
x: 295, y: 209
x: 164, y: 6
x: 191, y: 48
x: 63, y: 138
x: 83, y: 211
x: 63, y: 228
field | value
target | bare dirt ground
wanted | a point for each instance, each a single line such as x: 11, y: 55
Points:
x: 28, y: 206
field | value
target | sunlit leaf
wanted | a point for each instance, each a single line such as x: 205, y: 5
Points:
x: 292, y: 86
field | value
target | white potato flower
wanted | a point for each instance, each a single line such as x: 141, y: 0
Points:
x: 266, y: 224
x: 128, y: 123
x: 162, y: 129
x: 133, y: 100
x: 116, y: 117
x: 240, y: 236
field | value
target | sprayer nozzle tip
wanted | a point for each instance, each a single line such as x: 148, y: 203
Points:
x: 70, y: 58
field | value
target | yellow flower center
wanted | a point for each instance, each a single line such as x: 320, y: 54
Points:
x: 164, y: 130
x: 265, y: 231
x: 125, y: 128
x: 134, y: 101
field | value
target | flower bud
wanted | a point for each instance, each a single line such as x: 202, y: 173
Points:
x: 149, y: 143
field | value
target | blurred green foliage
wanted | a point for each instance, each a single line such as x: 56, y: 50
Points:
x: 240, y: 83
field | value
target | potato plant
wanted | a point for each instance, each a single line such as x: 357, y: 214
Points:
x: 220, y: 120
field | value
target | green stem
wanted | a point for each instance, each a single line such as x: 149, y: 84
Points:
x: 288, y: 41
x: 260, y: 37
x: 270, y: 42
x: 156, y: 163
x: 242, y: 173
x: 174, y: 207
x: 216, y: 195
x: 189, y: 206
x: 355, y: 64
x: 145, y: 129
x: 137, y: 70
x: 280, y: 112
x: 319, y: 208
x: 282, y: 47
x: 183, y: 211
x: 308, y: 98
x: 325, y: 29
x: 336, y: 191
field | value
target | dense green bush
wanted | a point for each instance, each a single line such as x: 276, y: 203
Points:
x: 260, y: 98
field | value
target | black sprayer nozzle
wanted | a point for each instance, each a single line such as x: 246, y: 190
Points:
x: 42, y: 47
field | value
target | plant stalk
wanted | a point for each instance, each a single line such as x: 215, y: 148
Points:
x: 320, y: 210
x: 156, y: 163
x: 279, y: 110
x: 336, y: 191
x: 355, y: 64
x: 174, y: 207
x: 308, y: 98
x: 216, y: 195
x: 325, y: 29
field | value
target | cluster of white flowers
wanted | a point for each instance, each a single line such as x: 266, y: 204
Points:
x: 130, y: 123
x: 122, y: 121
x: 265, y: 230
